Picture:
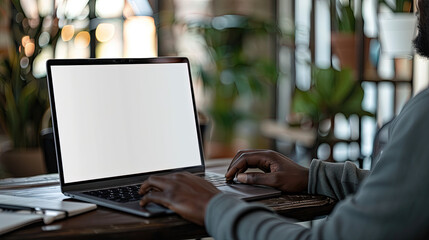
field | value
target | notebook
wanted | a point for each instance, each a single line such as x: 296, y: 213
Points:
x: 118, y: 121
x: 17, y: 212
x: 10, y: 221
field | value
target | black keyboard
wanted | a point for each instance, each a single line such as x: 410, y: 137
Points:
x: 130, y: 193
x: 118, y: 194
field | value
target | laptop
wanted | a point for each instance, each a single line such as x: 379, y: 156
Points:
x: 118, y: 121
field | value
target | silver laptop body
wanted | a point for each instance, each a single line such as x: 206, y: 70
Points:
x: 118, y: 121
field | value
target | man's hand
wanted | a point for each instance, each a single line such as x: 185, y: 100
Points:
x: 280, y: 172
x: 186, y: 194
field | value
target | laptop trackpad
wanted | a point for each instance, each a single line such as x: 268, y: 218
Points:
x: 249, y: 192
x: 155, y: 208
x: 151, y: 209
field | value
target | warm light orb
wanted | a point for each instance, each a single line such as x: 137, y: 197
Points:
x: 25, y: 40
x: 29, y: 49
x: 82, y: 39
x: 104, y: 32
x: 67, y: 33
x: 140, y: 37
x: 109, y: 8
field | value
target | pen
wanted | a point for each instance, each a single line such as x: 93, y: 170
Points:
x: 48, y: 215
x: 19, y: 208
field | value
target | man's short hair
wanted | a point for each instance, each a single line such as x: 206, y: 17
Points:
x: 421, y: 42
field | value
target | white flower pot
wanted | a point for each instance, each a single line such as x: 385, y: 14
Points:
x: 397, y: 31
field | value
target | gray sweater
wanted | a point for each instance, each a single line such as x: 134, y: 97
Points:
x: 391, y: 203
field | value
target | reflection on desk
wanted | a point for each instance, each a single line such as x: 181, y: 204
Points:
x: 105, y: 223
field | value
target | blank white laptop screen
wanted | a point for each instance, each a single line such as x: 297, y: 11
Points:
x: 116, y: 120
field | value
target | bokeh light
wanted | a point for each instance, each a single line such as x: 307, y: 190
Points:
x: 67, y: 33
x: 44, y: 39
x: 46, y: 7
x: 39, y: 64
x: 29, y: 49
x: 140, y: 37
x: 24, y: 62
x: 109, y: 8
x: 82, y: 39
x: 25, y: 40
x: 72, y: 9
x: 104, y: 32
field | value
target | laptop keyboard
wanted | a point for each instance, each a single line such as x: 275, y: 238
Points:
x: 216, y: 179
x: 118, y: 194
x: 130, y: 193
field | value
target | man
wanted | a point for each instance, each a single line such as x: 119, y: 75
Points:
x: 391, y: 203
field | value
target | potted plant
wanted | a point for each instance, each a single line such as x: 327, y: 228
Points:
x: 397, y: 26
x: 23, y: 97
x: 343, y: 37
x: 233, y: 75
x: 333, y: 91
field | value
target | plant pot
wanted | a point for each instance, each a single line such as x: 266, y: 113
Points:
x: 397, y: 32
x: 216, y: 150
x: 23, y: 162
x: 344, y: 47
x: 404, y: 69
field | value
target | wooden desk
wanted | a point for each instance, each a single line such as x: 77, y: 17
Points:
x: 104, y: 223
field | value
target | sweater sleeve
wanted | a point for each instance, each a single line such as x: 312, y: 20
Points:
x: 335, y: 180
x: 230, y: 218
x: 390, y: 204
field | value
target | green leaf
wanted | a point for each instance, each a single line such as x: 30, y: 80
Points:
x: 27, y: 98
x: 324, y: 81
x: 344, y: 83
x: 13, y: 121
x: 333, y: 92
x: 346, y: 21
x: 233, y: 74
x: 353, y: 104
x: 307, y: 103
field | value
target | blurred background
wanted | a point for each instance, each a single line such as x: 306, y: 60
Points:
x: 308, y: 78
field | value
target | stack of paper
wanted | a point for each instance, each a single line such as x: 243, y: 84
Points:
x: 17, y: 212
x: 10, y: 221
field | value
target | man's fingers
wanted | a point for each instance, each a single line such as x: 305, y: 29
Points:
x: 230, y: 174
x: 153, y: 182
x: 155, y: 197
x: 238, y: 163
x: 241, y: 153
x: 256, y: 178
x: 238, y: 155
x: 246, y: 160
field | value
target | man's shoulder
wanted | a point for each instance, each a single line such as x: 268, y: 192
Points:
x: 418, y: 102
x: 414, y: 117
x: 421, y: 96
